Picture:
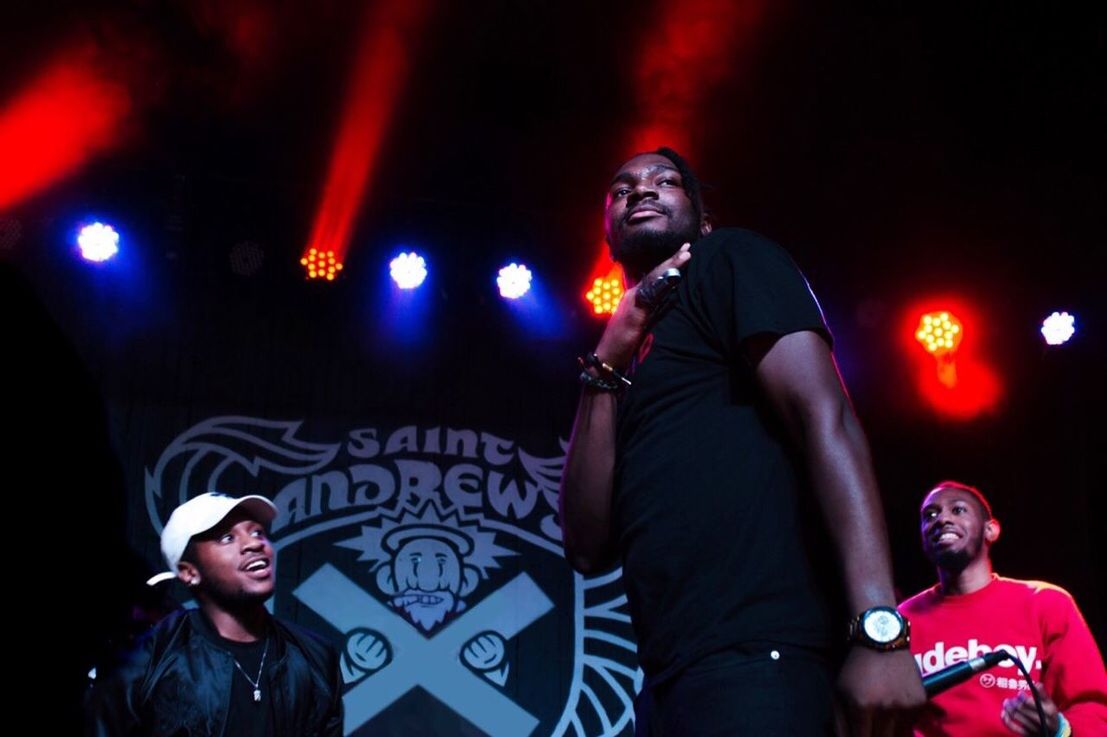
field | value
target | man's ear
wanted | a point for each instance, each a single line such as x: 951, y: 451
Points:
x: 991, y: 530
x: 705, y: 225
x: 188, y: 573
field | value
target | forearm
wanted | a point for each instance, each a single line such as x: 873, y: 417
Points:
x: 586, y: 484
x: 588, y: 478
x: 844, y: 484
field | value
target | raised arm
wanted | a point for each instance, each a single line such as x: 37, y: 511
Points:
x: 587, y: 482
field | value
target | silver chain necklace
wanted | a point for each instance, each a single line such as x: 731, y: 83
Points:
x: 255, y: 682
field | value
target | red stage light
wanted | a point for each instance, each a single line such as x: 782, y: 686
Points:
x: 940, y: 333
x: 951, y: 375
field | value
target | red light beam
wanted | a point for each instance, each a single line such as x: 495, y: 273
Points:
x: 693, y: 47
x: 379, y: 74
x: 66, y: 115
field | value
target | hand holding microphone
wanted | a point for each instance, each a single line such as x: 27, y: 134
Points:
x: 1021, y: 716
x: 1026, y: 713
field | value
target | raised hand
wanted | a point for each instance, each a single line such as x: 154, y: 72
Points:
x: 627, y: 326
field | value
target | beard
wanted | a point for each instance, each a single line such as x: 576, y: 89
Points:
x: 236, y: 599
x: 956, y: 561
x: 641, y: 250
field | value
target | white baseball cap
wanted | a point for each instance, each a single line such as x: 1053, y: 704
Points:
x: 200, y: 514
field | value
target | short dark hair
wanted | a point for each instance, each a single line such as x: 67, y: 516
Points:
x: 692, y: 185
x: 985, y: 506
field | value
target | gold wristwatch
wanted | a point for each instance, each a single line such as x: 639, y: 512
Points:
x: 881, y: 628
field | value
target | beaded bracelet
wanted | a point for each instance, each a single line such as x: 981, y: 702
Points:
x: 591, y: 360
x: 1064, y: 729
x: 595, y: 382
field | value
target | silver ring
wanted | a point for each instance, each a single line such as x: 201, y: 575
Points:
x: 650, y: 296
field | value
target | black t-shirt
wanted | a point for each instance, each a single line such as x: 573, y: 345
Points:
x: 709, y: 500
x: 245, y: 716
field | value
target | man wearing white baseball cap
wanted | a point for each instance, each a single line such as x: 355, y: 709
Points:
x: 228, y: 667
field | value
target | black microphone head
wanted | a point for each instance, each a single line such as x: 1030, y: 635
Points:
x: 996, y: 657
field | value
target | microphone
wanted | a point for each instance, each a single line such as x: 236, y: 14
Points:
x: 935, y: 683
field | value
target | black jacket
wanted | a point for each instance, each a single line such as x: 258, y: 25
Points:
x: 177, y: 682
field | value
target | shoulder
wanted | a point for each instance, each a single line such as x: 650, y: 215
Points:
x: 740, y: 256
x: 302, y: 635
x: 314, y: 646
x: 171, y: 629
x: 1042, y: 595
x: 738, y: 242
x: 1038, y: 590
x: 139, y: 660
x: 921, y: 602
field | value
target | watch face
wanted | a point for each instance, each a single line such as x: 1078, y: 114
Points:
x: 882, y: 626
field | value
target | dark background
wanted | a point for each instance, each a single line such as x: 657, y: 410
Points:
x: 898, y: 151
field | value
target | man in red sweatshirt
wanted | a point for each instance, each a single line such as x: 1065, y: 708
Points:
x: 972, y: 611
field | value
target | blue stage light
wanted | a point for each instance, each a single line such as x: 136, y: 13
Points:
x: 408, y: 270
x: 513, y: 281
x: 98, y: 242
x: 1058, y: 328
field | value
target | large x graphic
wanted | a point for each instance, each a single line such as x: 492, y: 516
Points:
x: 433, y: 663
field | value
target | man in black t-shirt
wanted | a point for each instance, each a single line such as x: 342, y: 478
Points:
x: 710, y: 407
x: 228, y: 668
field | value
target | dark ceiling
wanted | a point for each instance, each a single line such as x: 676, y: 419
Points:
x: 881, y: 135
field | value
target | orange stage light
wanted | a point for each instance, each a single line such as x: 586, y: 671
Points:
x: 940, y: 333
x: 605, y: 293
x: 605, y: 284
x: 321, y: 264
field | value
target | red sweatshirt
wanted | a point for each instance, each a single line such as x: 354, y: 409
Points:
x: 1036, y: 621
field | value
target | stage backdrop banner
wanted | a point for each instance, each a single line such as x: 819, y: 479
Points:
x: 429, y: 554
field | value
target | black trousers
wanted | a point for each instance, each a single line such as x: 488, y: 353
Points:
x: 756, y: 690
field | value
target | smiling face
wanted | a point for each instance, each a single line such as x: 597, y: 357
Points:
x: 956, y: 530
x: 231, y: 564
x: 648, y: 214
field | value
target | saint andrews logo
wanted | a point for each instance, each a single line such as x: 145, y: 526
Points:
x: 433, y: 557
